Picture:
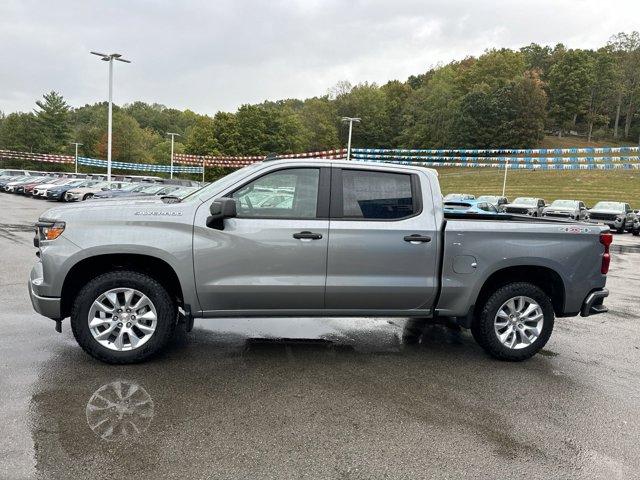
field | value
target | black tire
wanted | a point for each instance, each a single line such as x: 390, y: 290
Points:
x: 620, y: 230
x: 166, y: 309
x: 636, y: 233
x: 483, y: 330
x: 87, y: 196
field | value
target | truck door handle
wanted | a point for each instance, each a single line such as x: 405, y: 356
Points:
x: 307, y: 236
x: 416, y: 238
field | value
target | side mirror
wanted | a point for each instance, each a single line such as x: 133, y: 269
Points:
x: 220, y: 209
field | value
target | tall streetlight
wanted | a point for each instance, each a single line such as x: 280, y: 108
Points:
x: 110, y: 58
x: 77, y: 145
x: 504, y: 182
x: 351, y: 120
x: 173, y: 136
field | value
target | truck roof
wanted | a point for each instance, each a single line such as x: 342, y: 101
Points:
x: 350, y: 164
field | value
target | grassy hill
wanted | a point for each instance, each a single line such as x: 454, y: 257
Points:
x: 589, y: 186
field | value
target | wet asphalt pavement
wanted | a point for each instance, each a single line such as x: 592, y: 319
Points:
x: 341, y: 398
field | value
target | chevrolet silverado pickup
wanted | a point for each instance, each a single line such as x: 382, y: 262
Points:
x: 292, y: 238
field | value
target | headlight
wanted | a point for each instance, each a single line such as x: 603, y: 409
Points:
x: 49, y: 230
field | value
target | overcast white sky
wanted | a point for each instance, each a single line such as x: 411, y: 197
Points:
x: 218, y: 54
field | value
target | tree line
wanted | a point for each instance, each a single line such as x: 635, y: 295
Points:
x: 503, y: 98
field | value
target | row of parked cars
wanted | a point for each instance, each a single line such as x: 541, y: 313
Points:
x: 71, y: 187
x: 619, y: 216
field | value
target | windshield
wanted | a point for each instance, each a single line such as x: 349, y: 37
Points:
x: 564, y: 203
x: 76, y: 183
x: 152, y: 189
x: 489, y: 198
x: 458, y: 196
x: 526, y: 201
x: 225, y: 181
x: 167, y: 190
x: 609, y: 206
x: 184, y: 192
x: 129, y: 187
x: 457, y: 206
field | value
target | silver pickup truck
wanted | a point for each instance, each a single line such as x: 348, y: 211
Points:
x: 311, y: 238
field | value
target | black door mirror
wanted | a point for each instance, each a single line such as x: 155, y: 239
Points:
x: 220, y: 209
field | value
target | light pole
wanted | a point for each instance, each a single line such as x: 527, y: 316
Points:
x: 504, y: 182
x: 110, y: 58
x: 77, y: 145
x: 350, y: 120
x: 173, y: 136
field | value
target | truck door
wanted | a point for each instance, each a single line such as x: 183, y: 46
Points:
x: 273, y: 256
x: 382, y: 242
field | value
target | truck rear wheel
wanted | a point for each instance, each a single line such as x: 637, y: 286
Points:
x: 515, y: 322
x: 123, y: 317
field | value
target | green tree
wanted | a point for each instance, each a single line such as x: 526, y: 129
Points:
x: 225, y: 129
x: 130, y: 142
x: 395, y: 95
x: 367, y: 102
x: 493, y: 69
x: 201, y: 138
x: 431, y: 110
x: 510, y: 116
x: 20, y: 131
x: 570, y: 81
x: 626, y: 47
x: 602, y: 90
x: 318, y: 116
x: 52, y: 114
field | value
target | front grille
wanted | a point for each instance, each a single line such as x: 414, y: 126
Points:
x: 558, y: 214
x: 603, y: 216
x: 516, y: 210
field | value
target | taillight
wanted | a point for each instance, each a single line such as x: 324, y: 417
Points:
x: 605, y: 239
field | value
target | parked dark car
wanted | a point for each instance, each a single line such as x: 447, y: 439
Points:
x: 617, y: 215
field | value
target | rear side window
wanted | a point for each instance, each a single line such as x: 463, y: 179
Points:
x: 377, y: 195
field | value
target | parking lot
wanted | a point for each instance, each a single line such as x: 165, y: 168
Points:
x: 339, y: 398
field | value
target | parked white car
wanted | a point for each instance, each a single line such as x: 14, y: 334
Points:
x: 87, y: 192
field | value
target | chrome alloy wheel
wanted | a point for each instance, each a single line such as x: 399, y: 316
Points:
x: 122, y: 319
x: 518, y: 322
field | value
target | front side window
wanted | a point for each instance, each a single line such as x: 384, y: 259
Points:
x: 291, y: 193
x: 377, y: 195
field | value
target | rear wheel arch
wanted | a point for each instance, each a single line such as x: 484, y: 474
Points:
x: 547, y: 279
x: 89, y: 268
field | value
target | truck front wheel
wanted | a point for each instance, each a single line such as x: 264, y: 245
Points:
x: 123, y: 317
x: 515, y: 321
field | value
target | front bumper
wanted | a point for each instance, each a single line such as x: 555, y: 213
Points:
x: 594, y: 303
x: 72, y: 197
x: 47, y: 306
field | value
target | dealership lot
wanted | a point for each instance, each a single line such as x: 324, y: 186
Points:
x: 339, y: 399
